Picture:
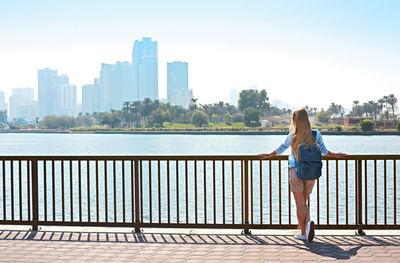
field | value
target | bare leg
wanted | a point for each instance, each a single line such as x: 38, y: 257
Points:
x: 302, y: 211
x: 307, y: 218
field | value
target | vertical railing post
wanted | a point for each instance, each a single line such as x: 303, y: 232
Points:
x: 35, y: 199
x: 246, y: 198
x: 359, y: 198
x: 137, y: 210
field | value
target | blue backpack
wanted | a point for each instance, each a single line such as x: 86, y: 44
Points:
x: 309, y: 164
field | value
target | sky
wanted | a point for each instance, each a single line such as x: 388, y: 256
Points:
x: 302, y: 52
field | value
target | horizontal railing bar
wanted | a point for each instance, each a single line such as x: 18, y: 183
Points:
x: 191, y: 157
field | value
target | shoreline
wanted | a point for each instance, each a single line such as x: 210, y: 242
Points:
x: 346, y: 133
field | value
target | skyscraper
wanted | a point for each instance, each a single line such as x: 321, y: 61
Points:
x: 107, y: 85
x: 3, y: 104
x: 145, y: 68
x: 124, y: 88
x: 46, y: 91
x: 55, y: 94
x: 91, y: 97
x: 178, y: 92
x: 22, y: 104
x: 65, y: 97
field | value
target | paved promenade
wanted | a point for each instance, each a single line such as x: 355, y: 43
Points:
x: 69, y: 245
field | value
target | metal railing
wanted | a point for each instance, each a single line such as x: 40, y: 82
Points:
x: 242, y: 192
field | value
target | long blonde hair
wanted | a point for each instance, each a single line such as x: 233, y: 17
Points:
x: 302, y: 133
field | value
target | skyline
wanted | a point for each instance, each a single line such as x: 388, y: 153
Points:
x: 345, y: 46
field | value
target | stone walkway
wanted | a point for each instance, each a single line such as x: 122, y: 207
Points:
x: 82, y: 246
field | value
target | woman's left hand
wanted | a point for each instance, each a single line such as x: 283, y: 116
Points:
x: 266, y: 155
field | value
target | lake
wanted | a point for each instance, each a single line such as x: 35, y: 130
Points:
x: 128, y: 144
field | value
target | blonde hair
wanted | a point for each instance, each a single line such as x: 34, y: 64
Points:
x: 302, y: 133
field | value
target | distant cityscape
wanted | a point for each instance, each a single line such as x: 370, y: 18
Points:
x: 117, y: 83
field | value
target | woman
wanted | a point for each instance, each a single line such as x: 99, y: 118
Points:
x: 301, y: 135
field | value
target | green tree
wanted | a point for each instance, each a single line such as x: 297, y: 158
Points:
x: 228, y: 118
x: 398, y: 125
x: 323, y: 116
x: 367, y: 125
x: 251, y: 117
x: 158, y: 117
x: 255, y: 100
x: 199, y: 118
x: 237, y: 117
x: 51, y: 122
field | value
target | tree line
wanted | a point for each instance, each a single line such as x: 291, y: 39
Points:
x: 252, y: 105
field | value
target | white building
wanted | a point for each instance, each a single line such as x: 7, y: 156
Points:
x: 22, y: 104
x: 145, y: 68
x: 65, y: 99
x: 55, y: 94
x: 178, y: 92
x: 91, y: 97
x: 3, y: 104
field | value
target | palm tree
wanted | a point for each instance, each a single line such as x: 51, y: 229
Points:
x: 386, y: 101
x: 381, y: 102
x: 392, y: 101
x: 125, y: 110
x: 356, y: 108
x: 146, y: 109
x: 135, y: 109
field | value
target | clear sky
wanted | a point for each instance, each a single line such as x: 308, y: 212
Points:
x: 300, y: 51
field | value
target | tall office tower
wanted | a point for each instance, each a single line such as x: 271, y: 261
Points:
x: 123, y: 85
x: 106, y: 86
x: 3, y: 104
x: 55, y: 94
x: 46, y: 92
x: 91, y: 97
x: 22, y: 104
x: 65, y: 98
x: 234, y: 97
x: 145, y: 67
x: 178, y: 92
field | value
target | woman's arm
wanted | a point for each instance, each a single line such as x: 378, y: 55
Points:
x: 336, y: 155
x: 280, y: 149
x: 267, y: 155
x: 324, y: 150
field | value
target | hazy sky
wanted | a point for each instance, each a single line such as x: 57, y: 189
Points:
x: 301, y: 52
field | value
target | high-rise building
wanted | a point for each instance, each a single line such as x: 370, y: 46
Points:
x: 91, y: 97
x: 124, y: 89
x: 3, y: 104
x: 145, y: 68
x: 65, y: 99
x: 22, y: 104
x: 55, y: 94
x: 46, y: 91
x: 107, y: 73
x: 178, y: 92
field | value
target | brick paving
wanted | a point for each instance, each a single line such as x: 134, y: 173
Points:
x: 65, y: 246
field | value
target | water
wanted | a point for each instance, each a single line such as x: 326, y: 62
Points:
x: 126, y: 144
x: 123, y: 144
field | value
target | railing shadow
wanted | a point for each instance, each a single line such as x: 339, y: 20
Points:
x: 206, y: 239
x: 334, y: 246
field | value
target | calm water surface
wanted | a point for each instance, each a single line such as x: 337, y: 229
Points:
x: 121, y: 144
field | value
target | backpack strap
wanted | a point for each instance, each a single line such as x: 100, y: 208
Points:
x: 314, y: 133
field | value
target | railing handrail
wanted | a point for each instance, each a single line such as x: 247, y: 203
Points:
x: 188, y: 157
